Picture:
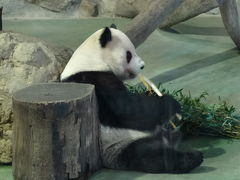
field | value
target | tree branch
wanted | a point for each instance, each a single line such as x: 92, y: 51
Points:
x: 147, y: 21
x: 230, y: 12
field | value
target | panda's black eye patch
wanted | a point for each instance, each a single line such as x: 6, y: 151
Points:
x: 129, y: 56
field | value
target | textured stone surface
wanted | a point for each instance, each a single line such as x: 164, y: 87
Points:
x: 130, y: 8
x: 5, y: 127
x: 6, y: 151
x: 23, y: 61
x: 88, y: 8
x: 56, y: 5
x: 19, y: 9
x: 124, y: 8
x: 127, y: 8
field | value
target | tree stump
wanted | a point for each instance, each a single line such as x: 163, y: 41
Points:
x: 1, y: 8
x: 56, y: 132
x: 230, y: 12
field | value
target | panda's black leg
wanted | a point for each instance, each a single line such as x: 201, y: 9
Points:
x: 151, y: 155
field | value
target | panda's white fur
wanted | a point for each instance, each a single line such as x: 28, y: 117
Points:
x: 90, y: 56
x: 114, y: 140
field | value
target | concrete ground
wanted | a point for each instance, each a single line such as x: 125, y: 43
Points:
x: 6, y: 173
x: 222, y: 160
x: 196, y: 55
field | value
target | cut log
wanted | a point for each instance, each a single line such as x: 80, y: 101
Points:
x: 56, y: 132
x: 147, y: 21
x: 230, y: 11
x: 1, y: 8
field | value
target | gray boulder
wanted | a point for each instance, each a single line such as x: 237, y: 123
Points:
x: 131, y: 8
x: 5, y: 127
x: 23, y: 61
x: 88, y: 8
x: 56, y: 5
x: 127, y: 8
x: 19, y: 9
x: 123, y: 8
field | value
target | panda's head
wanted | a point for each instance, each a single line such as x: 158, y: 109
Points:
x: 120, y: 54
x: 107, y: 49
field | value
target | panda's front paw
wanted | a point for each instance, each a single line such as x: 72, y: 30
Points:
x: 187, y: 161
x: 171, y: 104
x: 169, y: 138
x: 171, y: 109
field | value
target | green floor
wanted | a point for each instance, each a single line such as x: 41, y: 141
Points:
x: 5, y: 173
x: 196, y: 55
x: 222, y: 160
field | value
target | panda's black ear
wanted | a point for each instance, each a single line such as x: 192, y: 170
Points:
x: 105, y: 37
x: 113, y: 26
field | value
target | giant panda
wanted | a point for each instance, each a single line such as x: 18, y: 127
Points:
x: 130, y: 135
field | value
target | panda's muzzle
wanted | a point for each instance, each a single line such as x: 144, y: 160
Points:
x: 132, y: 75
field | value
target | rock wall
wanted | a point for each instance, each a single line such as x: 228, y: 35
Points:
x: 20, y: 9
x: 57, y: 5
x: 92, y: 8
x: 130, y: 8
x: 23, y: 61
x: 123, y: 8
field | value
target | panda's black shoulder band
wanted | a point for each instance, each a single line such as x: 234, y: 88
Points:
x: 105, y: 37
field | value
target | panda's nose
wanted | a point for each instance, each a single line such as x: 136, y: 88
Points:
x: 142, y: 67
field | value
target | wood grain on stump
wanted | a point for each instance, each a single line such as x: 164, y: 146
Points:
x: 55, y: 132
x: 1, y: 8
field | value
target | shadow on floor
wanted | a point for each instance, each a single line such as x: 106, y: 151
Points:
x: 196, y: 65
x: 203, y: 169
x: 207, y: 145
x: 196, y: 30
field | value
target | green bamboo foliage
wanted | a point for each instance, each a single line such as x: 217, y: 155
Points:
x: 200, y: 118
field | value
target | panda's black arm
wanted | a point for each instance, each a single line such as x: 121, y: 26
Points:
x: 135, y: 111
